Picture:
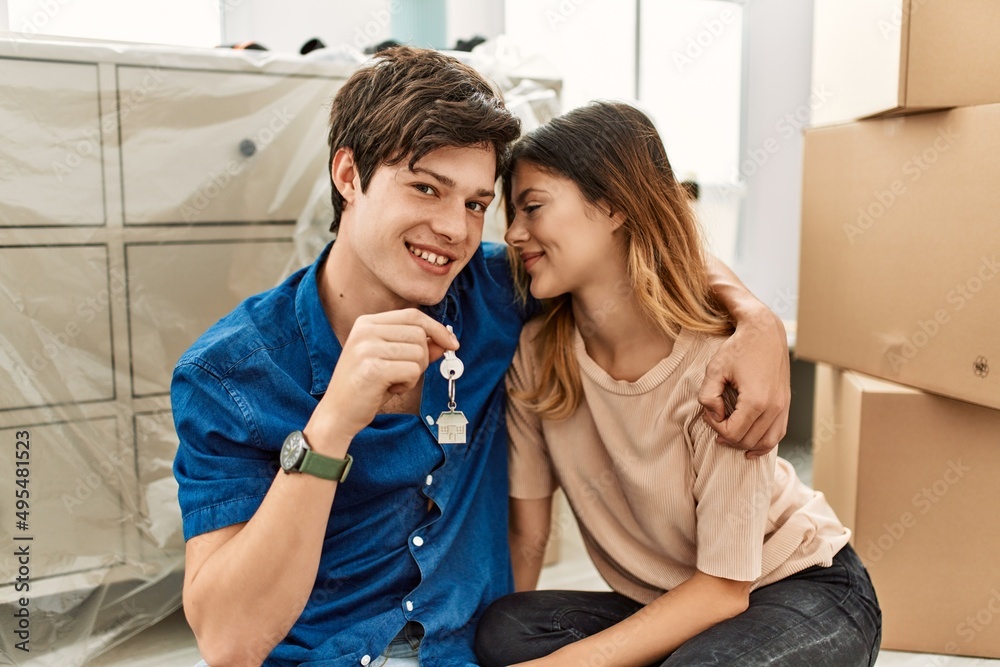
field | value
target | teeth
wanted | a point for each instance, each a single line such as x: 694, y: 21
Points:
x: 429, y: 256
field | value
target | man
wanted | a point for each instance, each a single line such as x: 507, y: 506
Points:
x: 294, y: 563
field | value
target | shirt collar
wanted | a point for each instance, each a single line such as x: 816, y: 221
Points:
x: 322, y: 345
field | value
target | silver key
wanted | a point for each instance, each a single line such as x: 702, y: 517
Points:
x: 451, y: 366
x: 452, y: 424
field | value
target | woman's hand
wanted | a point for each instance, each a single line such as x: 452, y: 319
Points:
x: 659, y: 628
x: 553, y: 660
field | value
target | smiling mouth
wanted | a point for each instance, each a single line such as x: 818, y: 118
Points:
x: 529, y: 258
x: 437, y: 260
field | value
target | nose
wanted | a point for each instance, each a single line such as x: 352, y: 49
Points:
x: 452, y: 224
x: 516, y: 233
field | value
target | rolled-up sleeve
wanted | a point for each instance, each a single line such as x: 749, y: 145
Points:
x: 733, y: 498
x: 222, y: 472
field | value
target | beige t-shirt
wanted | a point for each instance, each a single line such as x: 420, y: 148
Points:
x: 655, y: 496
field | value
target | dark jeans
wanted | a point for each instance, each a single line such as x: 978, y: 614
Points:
x: 820, y: 617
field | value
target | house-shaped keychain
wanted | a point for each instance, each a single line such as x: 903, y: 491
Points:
x: 451, y: 428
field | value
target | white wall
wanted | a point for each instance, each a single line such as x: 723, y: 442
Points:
x: 468, y: 18
x: 691, y: 85
x: 779, y: 57
x: 4, y: 17
x: 176, y: 22
x: 591, y: 44
x: 288, y: 25
x: 691, y: 54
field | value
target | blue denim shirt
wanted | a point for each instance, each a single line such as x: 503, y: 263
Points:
x: 257, y: 375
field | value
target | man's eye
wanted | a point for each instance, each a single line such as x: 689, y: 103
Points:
x: 477, y: 206
x: 424, y: 188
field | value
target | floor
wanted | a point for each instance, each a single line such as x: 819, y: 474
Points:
x: 171, y: 644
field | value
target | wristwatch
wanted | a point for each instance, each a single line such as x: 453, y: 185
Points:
x: 298, y: 456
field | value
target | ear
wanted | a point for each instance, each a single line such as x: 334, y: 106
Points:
x: 616, y: 218
x: 344, y: 173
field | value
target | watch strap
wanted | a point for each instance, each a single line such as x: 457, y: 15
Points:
x: 326, y: 467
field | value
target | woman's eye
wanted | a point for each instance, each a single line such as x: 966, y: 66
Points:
x: 531, y: 208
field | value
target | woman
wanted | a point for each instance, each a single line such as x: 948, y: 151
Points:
x: 714, y: 558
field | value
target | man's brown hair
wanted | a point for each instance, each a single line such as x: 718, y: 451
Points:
x: 409, y: 102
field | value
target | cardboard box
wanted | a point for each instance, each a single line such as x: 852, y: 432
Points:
x: 900, y: 261
x: 915, y: 477
x: 874, y: 57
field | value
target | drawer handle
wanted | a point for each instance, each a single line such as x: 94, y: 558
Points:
x: 248, y: 147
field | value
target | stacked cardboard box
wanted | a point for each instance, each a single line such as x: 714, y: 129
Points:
x: 914, y: 477
x: 900, y: 279
x: 890, y: 57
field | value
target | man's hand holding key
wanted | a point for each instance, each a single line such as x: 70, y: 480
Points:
x: 385, y: 354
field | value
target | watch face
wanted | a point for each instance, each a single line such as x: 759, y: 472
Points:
x: 292, y: 450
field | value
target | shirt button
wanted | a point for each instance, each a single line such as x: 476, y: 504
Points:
x: 430, y: 420
x: 409, y: 605
x: 366, y: 659
x: 429, y: 480
x: 419, y: 541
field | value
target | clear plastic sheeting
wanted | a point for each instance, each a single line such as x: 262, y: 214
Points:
x: 144, y: 192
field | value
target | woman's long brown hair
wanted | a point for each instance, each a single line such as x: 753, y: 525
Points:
x: 614, y: 154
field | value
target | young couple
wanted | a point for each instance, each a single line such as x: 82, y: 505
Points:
x: 325, y: 523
